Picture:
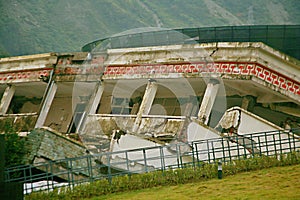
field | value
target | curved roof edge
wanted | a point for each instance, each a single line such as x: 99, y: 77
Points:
x: 285, y: 38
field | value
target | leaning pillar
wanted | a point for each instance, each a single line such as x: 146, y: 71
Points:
x: 96, y: 98
x: 208, y: 100
x: 6, y: 99
x: 146, y: 104
x: 191, y: 107
x: 93, y: 105
x: 46, y: 105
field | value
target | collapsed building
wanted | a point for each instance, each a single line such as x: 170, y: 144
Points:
x: 155, y: 87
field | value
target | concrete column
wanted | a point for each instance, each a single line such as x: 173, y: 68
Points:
x: 248, y: 103
x: 208, y: 100
x: 6, y: 99
x: 96, y: 98
x: 46, y: 105
x: 92, y: 106
x: 191, y: 107
x: 146, y: 104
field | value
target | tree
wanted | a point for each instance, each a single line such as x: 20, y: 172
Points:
x: 14, y: 146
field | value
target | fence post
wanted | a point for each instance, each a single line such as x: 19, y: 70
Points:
x: 69, y: 181
x: 266, y: 140
x: 145, y: 160
x: 213, y: 151
x: 280, y: 145
x: 51, y: 173
x: 229, y: 150
x: 180, y: 157
x: 294, y: 144
x: 109, y: 169
x: 289, y: 138
x: 90, y: 168
x: 127, y: 164
x: 71, y: 171
x: 245, y: 148
x: 30, y: 178
x: 198, y: 160
x: 177, y: 154
x: 252, y: 147
x: 208, y: 151
x: 237, y: 146
x: 223, y: 150
x: 258, y: 138
x: 162, y: 160
x: 192, y: 145
x: 274, y: 142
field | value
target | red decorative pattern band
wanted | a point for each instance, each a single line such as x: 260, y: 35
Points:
x: 71, y: 70
x: 25, y: 75
x: 252, y: 69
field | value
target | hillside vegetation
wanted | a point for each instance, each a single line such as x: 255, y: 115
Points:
x: 38, y: 26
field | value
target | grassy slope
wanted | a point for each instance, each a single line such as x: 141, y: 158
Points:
x: 273, y: 183
x: 36, y: 26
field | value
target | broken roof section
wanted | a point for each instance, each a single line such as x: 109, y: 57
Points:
x: 247, y: 70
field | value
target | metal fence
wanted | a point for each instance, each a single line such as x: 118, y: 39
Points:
x: 66, y: 172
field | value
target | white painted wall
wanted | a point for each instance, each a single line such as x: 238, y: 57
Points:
x: 128, y: 142
x: 251, y: 123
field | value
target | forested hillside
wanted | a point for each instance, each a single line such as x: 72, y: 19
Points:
x: 38, y: 26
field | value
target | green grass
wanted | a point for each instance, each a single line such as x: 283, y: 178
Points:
x: 272, y: 183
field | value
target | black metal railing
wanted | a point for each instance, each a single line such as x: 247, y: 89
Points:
x: 67, y: 172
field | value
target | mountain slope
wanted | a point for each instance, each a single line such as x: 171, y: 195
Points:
x: 37, y: 26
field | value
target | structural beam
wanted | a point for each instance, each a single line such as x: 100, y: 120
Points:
x: 295, y: 111
x: 46, y: 105
x: 6, y: 98
x: 208, y: 100
x: 146, y: 104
